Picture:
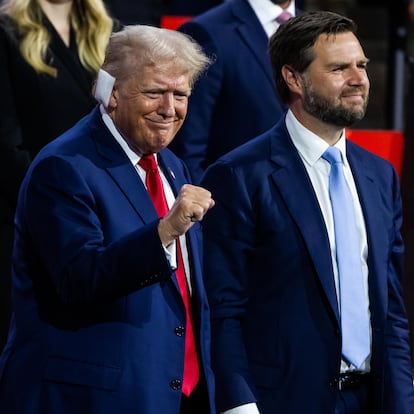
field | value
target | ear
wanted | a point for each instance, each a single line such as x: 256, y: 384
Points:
x: 113, y: 100
x: 292, y: 79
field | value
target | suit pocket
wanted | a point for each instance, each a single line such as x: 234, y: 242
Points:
x: 66, y: 371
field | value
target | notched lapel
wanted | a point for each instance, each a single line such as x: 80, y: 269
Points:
x: 119, y: 167
x: 253, y: 35
x: 295, y: 186
x: 67, y: 55
x: 170, y: 171
x: 134, y: 190
x: 378, y: 239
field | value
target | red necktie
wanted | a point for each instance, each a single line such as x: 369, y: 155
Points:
x: 156, y: 191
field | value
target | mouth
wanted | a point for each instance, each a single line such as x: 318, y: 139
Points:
x: 161, y: 123
x: 357, y: 94
x: 354, y: 98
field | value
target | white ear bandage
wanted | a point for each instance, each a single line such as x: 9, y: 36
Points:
x: 104, y: 85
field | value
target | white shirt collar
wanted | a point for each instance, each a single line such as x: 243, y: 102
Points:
x: 133, y: 156
x: 311, y: 146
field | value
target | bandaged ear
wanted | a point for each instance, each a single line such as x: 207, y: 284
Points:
x: 104, y: 85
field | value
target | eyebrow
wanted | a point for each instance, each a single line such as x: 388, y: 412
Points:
x: 363, y: 61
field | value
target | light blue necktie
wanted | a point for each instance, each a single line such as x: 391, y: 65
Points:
x: 354, y: 304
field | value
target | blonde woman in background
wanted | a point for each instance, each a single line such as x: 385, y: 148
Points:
x: 50, y: 52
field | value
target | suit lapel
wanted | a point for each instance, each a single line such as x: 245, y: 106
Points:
x: 119, y: 167
x: 377, y: 237
x: 173, y: 170
x: 293, y: 182
x: 68, y: 58
x: 253, y: 35
x: 294, y: 185
x: 134, y: 190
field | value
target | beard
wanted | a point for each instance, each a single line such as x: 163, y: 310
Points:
x: 330, y: 110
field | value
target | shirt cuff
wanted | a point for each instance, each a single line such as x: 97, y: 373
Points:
x: 171, y: 255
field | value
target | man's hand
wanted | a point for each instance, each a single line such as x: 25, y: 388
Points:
x: 190, y: 206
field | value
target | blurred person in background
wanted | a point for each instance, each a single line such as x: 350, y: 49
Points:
x: 407, y: 175
x: 50, y: 52
x: 152, y: 11
x: 237, y: 98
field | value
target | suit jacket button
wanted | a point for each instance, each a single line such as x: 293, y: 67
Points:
x: 175, y: 384
x: 334, y: 383
x: 179, y: 330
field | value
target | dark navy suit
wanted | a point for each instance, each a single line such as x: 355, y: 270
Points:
x: 96, y: 301
x: 236, y: 99
x: 268, y: 272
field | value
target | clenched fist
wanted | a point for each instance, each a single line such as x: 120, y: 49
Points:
x: 190, y: 206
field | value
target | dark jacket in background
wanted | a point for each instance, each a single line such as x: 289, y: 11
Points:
x: 34, y: 109
x: 150, y: 11
x: 236, y: 99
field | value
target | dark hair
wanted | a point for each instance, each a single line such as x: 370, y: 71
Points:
x: 292, y: 44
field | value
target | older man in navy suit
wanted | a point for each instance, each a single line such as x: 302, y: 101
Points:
x: 110, y: 312
x: 237, y: 98
x: 306, y: 319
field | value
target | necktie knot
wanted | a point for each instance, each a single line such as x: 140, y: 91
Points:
x: 284, y: 17
x: 154, y: 184
x: 148, y: 163
x: 332, y: 155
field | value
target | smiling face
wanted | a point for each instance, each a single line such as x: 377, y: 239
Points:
x: 335, y: 86
x: 149, y: 107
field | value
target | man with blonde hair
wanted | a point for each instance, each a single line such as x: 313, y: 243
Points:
x: 110, y: 313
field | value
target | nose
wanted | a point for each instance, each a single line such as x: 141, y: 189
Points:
x: 166, y: 106
x: 358, y: 76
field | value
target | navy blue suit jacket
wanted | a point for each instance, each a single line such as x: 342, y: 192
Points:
x: 236, y: 99
x: 96, y: 301
x: 275, y: 322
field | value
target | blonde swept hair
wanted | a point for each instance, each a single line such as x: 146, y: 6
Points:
x: 141, y: 45
x: 89, y: 18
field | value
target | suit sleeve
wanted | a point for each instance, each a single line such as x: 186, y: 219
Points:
x: 398, y: 374
x: 192, y: 140
x: 229, y: 230
x: 70, y: 234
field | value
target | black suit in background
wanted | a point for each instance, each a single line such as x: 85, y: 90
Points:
x: 190, y: 8
x: 150, y: 11
x: 34, y: 109
x: 137, y: 11
x: 236, y: 99
x: 407, y: 185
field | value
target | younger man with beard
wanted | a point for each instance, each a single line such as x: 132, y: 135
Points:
x: 279, y: 262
